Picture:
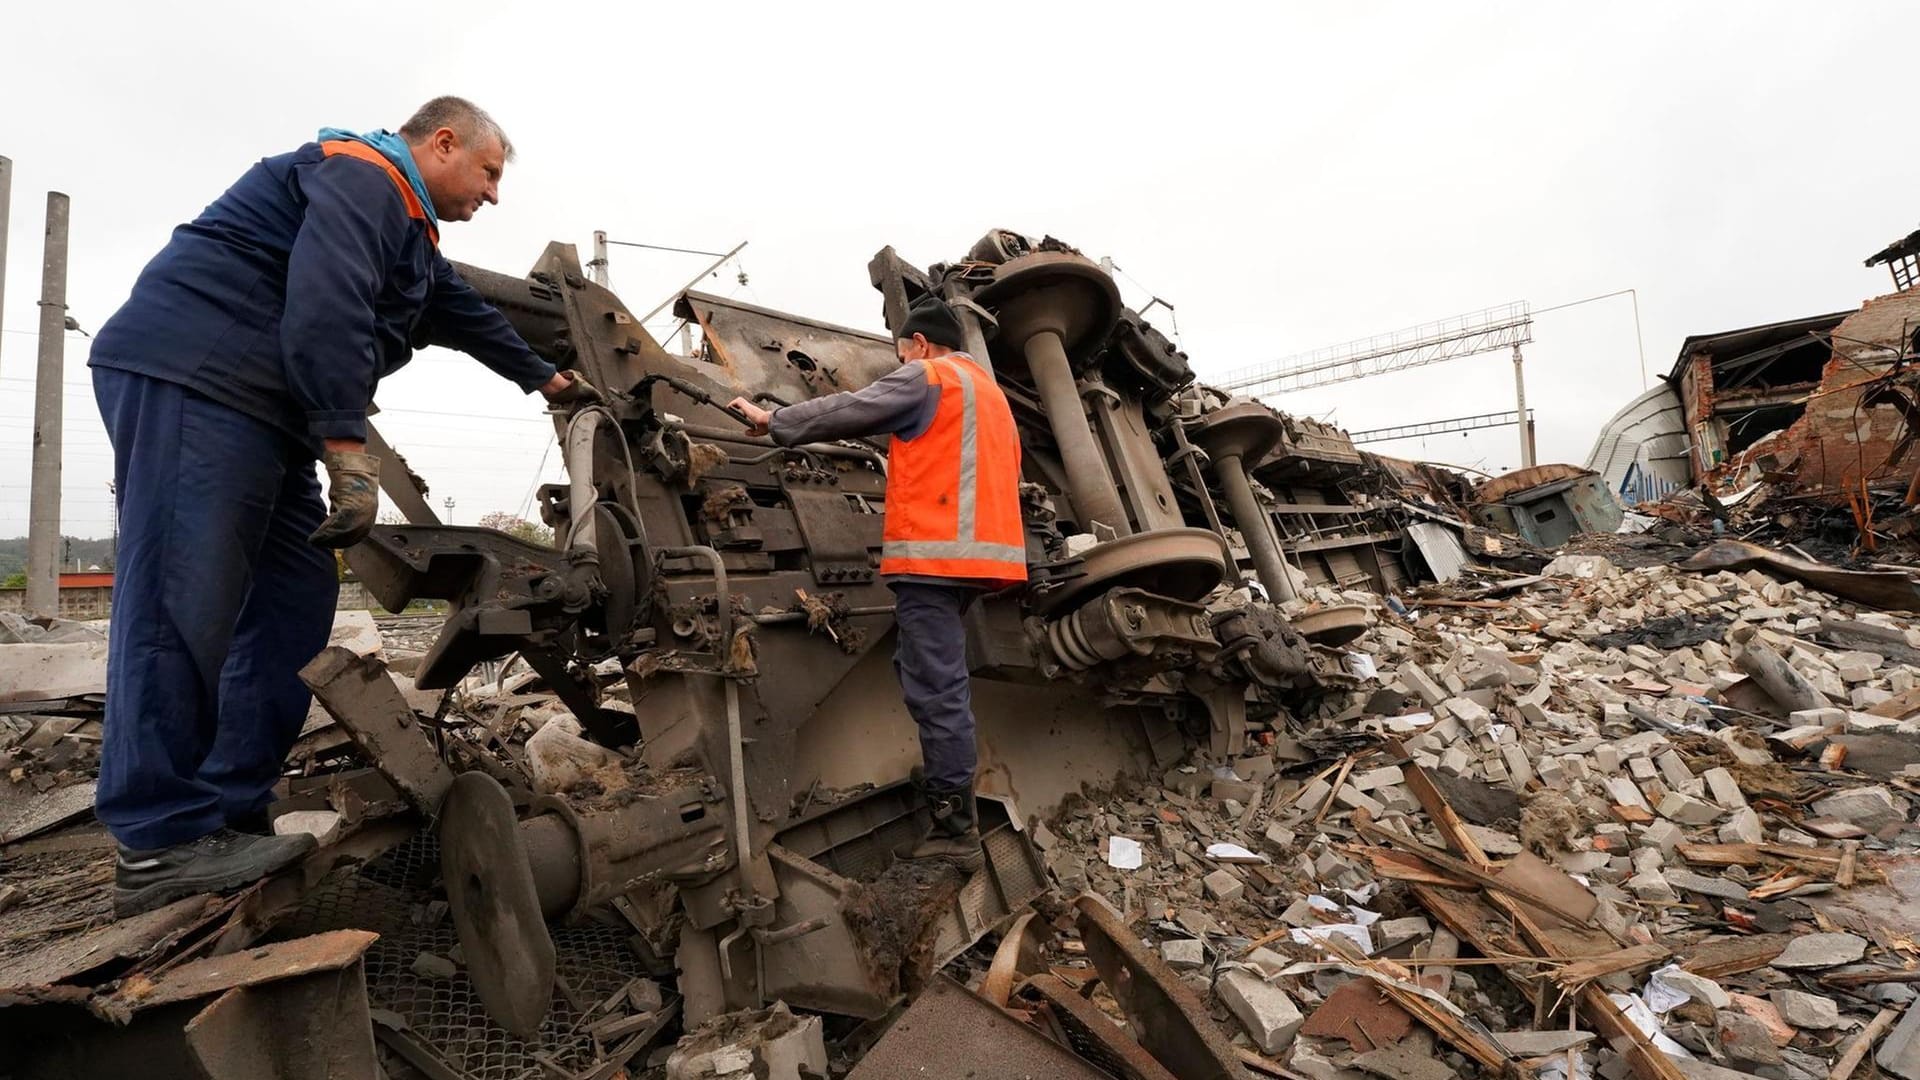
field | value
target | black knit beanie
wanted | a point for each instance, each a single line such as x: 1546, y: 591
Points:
x: 931, y: 318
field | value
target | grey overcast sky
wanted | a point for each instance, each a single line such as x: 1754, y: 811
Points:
x: 1288, y: 175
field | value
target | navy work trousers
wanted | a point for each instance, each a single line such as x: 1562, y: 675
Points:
x: 930, y: 657
x: 218, y: 601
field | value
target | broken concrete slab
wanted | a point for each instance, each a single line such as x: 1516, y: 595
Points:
x: 1184, y: 953
x: 1269, y: 1016
x: 322, y: 825
x: 1803, y: 1010
x: 1528, y: 1044
x: 1688, y: 810
x: 1722, y: 789
x: 1719, y: 888
x: 1400, y: 1062
x: 1821, y: 951
x: 1742, y: 827
x: 1222, y: 885
x: 1745, y: 1040
x: 1900, y: 1053
x: 1872, y: 808
x: 1697, y: 987
x: 36, y: 672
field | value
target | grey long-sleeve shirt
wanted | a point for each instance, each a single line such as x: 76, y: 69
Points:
x: 900, y: 403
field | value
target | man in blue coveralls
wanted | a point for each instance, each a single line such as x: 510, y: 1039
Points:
x: 251, y: 346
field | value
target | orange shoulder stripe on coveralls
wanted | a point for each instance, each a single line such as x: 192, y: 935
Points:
x: 374, y: 157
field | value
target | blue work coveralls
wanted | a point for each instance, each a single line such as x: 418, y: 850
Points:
x: 260, y: 329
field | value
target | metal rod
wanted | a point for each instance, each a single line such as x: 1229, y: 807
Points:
x: 577, y: 458
x: 736, y: 750
x: 1092, y: 490
x: 602, y: 238
x: 1255, y: 528
x: 1192, y: 454
x: 781, y: 617
x: 692, y: 281
x: 852, y: 453
x: 1638, y: 339
x: 43, y: 519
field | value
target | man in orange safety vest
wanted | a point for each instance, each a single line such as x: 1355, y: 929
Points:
x: 953, y: 530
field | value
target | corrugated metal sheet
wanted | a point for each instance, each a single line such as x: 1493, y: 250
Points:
x: 1440, y: 546
x: 1650, y: 433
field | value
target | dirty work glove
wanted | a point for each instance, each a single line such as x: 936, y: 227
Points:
x: 577, y: 391
x: 353, y: 498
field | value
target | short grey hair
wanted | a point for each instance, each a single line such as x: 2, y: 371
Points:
x: 468, y: 120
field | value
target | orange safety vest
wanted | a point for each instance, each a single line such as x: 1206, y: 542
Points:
x: 953, y: 491
x: 374, y: 157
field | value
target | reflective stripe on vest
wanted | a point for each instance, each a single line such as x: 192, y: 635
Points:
x: 994, y: 558
x: 374, y: 157
x: 953, y: 549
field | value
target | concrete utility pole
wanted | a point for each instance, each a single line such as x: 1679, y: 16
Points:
x: 597, y: 269
x: 1520, y: 408
x: 43, y: 516
x: 6, y: 201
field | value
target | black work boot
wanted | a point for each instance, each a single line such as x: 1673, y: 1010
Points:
x: 955, y: 834
x: 218, y: 862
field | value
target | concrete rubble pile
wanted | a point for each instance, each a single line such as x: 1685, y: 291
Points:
x: 1609, y: 810
x: 52, y: 685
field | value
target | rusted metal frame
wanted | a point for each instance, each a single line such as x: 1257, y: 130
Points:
x: 360, y: 695
x: 397, y: 480
x: 997, y: 985
x: 329, y: 951
x: 312, y: 1027
x: 736, y: 751
x: 948, y: 1024
x: 1172, y: 1023
x: 1647, y: 1062
x: 1078, y: 1016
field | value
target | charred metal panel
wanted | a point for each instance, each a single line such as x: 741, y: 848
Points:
x: 785, y: 357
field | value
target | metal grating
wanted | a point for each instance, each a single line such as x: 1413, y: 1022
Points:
x: 388, y: 895
x: 1010, y: 879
